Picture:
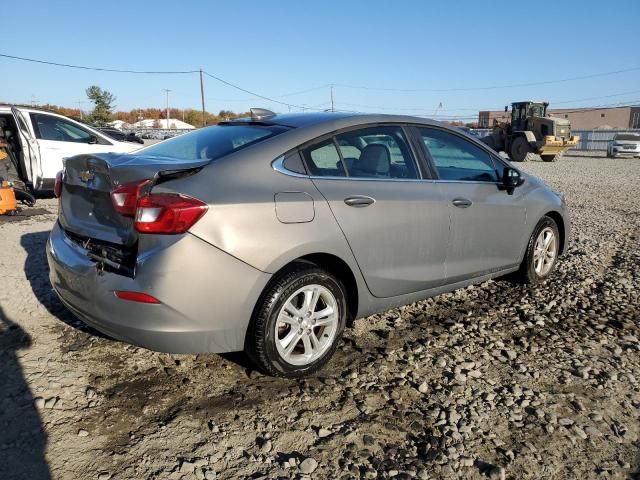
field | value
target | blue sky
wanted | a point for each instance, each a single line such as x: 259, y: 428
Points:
x: 281, y: 47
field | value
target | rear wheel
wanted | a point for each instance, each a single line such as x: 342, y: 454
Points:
x: 542, y: 252
x: 298, y: 322
x: 519, y: 150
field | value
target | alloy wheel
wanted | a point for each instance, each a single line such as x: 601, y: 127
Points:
x: 545, y: 251
x: 307, y: 325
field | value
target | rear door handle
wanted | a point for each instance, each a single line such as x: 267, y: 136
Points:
x: 359, y: 201
x: 461, y: 202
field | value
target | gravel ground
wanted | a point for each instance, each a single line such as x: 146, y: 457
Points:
x: 493, y: 381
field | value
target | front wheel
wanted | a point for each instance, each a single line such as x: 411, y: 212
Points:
x: 520, y: 150
x: 298, y: 322
x: 542, y: 252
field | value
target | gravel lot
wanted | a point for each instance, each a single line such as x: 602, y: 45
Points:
x: 493, y: 381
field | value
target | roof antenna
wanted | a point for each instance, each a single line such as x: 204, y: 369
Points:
x: 261, y: 113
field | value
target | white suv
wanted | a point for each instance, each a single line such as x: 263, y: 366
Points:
x: 624, y: 145
x: 39, y: 140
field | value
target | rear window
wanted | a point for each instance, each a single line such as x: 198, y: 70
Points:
x: 211, y: 142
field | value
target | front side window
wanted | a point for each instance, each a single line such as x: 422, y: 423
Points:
x: 211, y: 143
x: 377, y: 152
x: 456, y: 158
x: 48, y: 127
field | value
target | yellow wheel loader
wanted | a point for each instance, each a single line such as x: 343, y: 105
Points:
x: 531, y: 132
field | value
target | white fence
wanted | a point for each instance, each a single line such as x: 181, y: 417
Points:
x: 595, y: 140
x: 598, y: 139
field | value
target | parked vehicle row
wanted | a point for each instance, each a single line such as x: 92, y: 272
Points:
x: 39, y: 140
x: 273, y: 233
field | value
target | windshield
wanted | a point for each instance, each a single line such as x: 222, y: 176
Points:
x: 212, y: 142
x: 628, y: 136
x: 536, y: 110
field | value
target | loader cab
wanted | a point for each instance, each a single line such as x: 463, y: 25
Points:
x: 522, y: 111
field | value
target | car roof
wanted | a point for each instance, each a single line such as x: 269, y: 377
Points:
x: 345, y: 119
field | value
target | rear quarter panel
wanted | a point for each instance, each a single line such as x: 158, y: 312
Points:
x: 242, y: 219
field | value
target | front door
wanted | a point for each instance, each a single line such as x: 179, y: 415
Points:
x: 395, y: 222
x: 60, y: 137
x: 486, y: 222
x: 30, y: 150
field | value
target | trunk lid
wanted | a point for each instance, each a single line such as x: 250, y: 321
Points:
x: 86, y: 210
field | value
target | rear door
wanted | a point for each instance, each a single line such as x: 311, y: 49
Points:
x: 487, y: 223
x: 30, y: 150
x: 393, y: 218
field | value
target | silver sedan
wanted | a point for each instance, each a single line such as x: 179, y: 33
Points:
x: 271, y: 234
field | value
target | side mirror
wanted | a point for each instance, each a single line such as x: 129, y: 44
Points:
x: 511, y: 179
x: 92, y: 140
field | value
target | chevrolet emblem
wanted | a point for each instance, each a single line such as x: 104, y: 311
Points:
x: 86, y: 175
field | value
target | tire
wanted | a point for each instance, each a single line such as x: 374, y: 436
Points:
x: 528, y: 272
x: 519, y: 149
x: 488, y: 141
x: 266, y: 342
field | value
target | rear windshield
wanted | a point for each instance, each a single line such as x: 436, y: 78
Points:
x: 628, y: 136
x: 211, y: 142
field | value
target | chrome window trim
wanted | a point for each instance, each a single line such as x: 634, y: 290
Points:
x: 278, y: 166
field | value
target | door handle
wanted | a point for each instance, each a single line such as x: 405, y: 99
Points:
x: 359, y: 201
x: 461, y: 202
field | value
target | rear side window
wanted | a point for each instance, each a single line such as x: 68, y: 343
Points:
x: 324, y: 160
x: 456, y: 158
x: 212, y: 143
x: 377, y: 152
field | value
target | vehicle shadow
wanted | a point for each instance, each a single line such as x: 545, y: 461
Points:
x: 36, y: 269
x: 22, y: 437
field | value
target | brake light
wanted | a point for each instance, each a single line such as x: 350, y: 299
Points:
x: 125, y: 198
x: 136, y: 297
x: 57, y: 187
x: 168, y: 213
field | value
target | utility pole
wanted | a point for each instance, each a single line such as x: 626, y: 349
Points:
x: 167, y: 91
x: 33, y: 100
x: 80, y: 102
x: 437, y: 108
x: 204, y: 115
x: 332, y: 98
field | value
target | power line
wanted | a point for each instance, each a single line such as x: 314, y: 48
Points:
x: 492, y: 87
x: 99, y: 69
x: 596, y: 98
x: 229, y: 84
x: 290, y: 105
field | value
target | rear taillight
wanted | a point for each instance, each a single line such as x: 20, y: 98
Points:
x: 168, y: 213
x: 125, y: 198
x: 57, y: 187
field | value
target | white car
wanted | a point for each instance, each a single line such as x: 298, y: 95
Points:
x: 624, y: 145
x: 39, y: 140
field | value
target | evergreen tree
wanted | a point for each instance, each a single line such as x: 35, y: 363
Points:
x: 103, y: 101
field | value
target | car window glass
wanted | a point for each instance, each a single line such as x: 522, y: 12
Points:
x: 58, y: 129
x: 323, y: 160
x: 456, y: 158
x: 293, y: 163
x: 377, y: 152
x: 211, y: 143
